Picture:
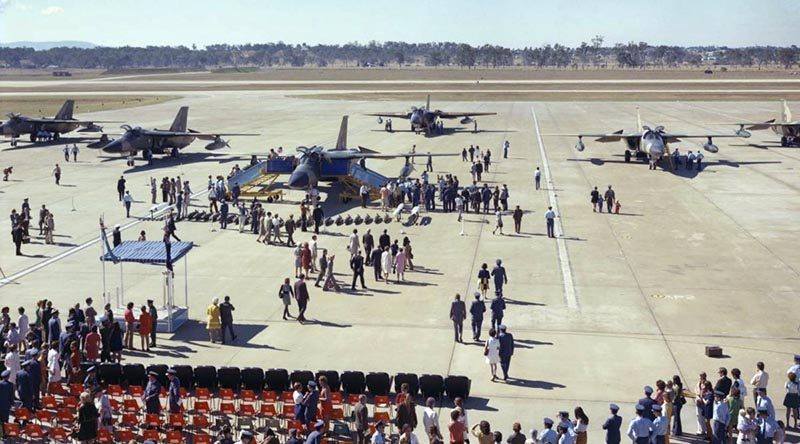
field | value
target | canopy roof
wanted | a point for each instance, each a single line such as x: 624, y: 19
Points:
x: 147, y: 252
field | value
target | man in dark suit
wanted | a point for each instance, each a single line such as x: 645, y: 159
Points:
x: 25, y: 385
x: 477, y: 309
x: 612, y: 425
x: 647, y: 403
x: 506, y: 350
x: 375, y: 259
x: 6, y: 395
x: 724, y: 383
x: 357, y: 265
x: 458, y: 311
x: 301, y: 294
x: 369, y: 242
x: 384, y: 241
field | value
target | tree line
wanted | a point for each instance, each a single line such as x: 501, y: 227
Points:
x: 587, y: 54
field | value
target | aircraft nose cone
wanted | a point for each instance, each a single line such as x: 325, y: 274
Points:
x: 656, y: 150
x: 298, y: 180
x: 416, y: 118
x: 115, y: 146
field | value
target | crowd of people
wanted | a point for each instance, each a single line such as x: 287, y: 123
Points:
x: 21, y: 224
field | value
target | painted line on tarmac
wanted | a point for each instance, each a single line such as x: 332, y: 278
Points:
x: 563, y: 255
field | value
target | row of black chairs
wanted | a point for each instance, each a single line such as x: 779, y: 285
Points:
x: 279, y: 380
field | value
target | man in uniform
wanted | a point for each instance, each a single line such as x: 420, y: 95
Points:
x: 550, y: 217
x: 721, y: 419
x: 246, y: 437
x: 151, y: 394
x: 458, y: 311
x: 174, y: 392
x: 315, y: 437
x: 612, y: 425
x: 659, y: 425
x: 477, y: 309
x: 25, y: 385
x: 647, y: 402
x: 506, y: 350
x: 639, y: 429
x: 36, y: 374
x: 767, y: 427
x: 153, y: 312
x: 500, y: 277
x: 226, y: 310
x: 369, y: 243
x: 90, y: 381
x: 764, y: 401
x: 548, y: 436
x: 6, y: 396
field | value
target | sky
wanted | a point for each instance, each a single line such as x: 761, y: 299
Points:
x: 511, y: 23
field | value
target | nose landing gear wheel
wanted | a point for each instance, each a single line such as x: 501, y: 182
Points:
x: 627, y: 156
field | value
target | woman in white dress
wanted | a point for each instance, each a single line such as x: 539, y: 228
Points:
x: 746, y: 426
x: 492, y: 352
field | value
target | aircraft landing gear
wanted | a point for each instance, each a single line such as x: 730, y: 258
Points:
x: 56, y: 136
x: 33, y: 136
x: 627, y: 156
x: 784, y: 142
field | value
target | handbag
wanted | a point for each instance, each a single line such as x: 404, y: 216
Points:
x: 485, y: 350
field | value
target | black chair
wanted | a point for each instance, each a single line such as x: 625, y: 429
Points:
x: 109, y: 373
x: 301, y: 376
x: 353, y: 382
x: 333, y: 378
x: 185, y: 374
x: 161, y: 369
x: 205, y: 376
x: 253, y: 379
x: 408, y: 378
x: 276, y: 379
x: 457, y: 387
x: 378, y: 383
x: 134, y: 374
x: 431, y: 386
x: 229, y: 377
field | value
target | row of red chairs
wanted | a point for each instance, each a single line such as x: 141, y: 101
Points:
x: 59, y: 434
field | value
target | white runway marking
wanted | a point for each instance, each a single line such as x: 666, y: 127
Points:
x: 563, y: 255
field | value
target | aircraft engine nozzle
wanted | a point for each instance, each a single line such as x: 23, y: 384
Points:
x: 580, y: 146
x: 467, y: 120
x: 710, y: 147
x: 217, y: 145
x: 743, y: 133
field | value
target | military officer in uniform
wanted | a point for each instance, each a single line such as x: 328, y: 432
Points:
x: 659, y: 425
x: 767, y: 427
x: 721, y: 419
x: 174, y: 392
x: 548, y: 436
x: 25, y: 385
x: 612, y: 425
x: 639, y: 429
x: 151, y: 394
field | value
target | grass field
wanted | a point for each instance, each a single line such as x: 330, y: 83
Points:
x: 38, y: 106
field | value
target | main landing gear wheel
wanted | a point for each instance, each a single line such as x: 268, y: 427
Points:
x: 784, y: 142
x: 627, y: 156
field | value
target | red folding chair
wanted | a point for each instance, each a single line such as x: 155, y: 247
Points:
x: 124, y: 435
x: 227, y: 409
x: 202, y: 407
x: 176, y: 420
x: 174, y: 437
x: 22, y: 414
x: 58, y: 434
x: 287, y: 398
x: 115, y: 391
x: 115, y: 405
x: 130, y: 420
x: 44, y: 416
x: 103, y: 435
x: 382, y: 402
x: 65, y: 416
x: 152, y: 435
x: 49, y: 402
x: 202, y: 394
x: 131, y: 405
x: 152, y: 420
x: 247, y: 396
x: 200, y: 422
x: 12, y: 430
x: 201, y: 438
x: 75, y: 389
x: 34, y: 431
x: 55, y: 388
x: 269, y: 396
x: 70, y: 402
x: 383, y: 416
x: 135, y: 391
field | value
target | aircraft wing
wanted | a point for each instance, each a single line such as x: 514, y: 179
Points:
x: 373, y: 155
x: 769, y: 124
x: 79, y: 122
x: 670, y: 137
x: 450, y: 115
x: 199, y: 135
x: 391, y: 115
x: 600, y: 137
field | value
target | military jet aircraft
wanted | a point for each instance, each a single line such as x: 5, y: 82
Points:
x: 649, y: 143
x: 63, y: 122
x: 156, y: 141
x: 788, y: 129
x: 314, y: 164
x: 424, y: 119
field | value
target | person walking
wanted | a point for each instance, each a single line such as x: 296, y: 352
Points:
x: 127, y: 200
x: 476, y: 310
x: 500, y: 277
x: 491, y: 350
x: 429, y: 165
x: 537, y: 177
x: 285, y: 294
x: 302, y: 296
x: 517, y: 216
x: 323, y: 266
x: 121, y: 187
x: 226, y: 318
x: 550, y: 217
x: 57, y: 174
x: 377, y: 263
x: 357, y: 265
x: 213, y: 324
x: 458, y: 311
x: 87, y: 419
x: 609, y: 197
x: 497, y: 307
x: 498, y: 225
x: 506, y: 350
x: 317, y: 215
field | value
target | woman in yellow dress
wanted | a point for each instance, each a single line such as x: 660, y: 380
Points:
x: 213, y: 324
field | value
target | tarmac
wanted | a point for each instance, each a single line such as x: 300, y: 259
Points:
x: 615, y: 303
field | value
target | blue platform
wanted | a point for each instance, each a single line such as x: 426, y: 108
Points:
x: 366, y: 175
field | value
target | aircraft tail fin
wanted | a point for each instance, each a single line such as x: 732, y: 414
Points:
x: 639, y: 124
x: 341, y: 141
x: 180, y: 122
x: 65, y: 113
x: 428, y: 103
x: 787, y: 113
